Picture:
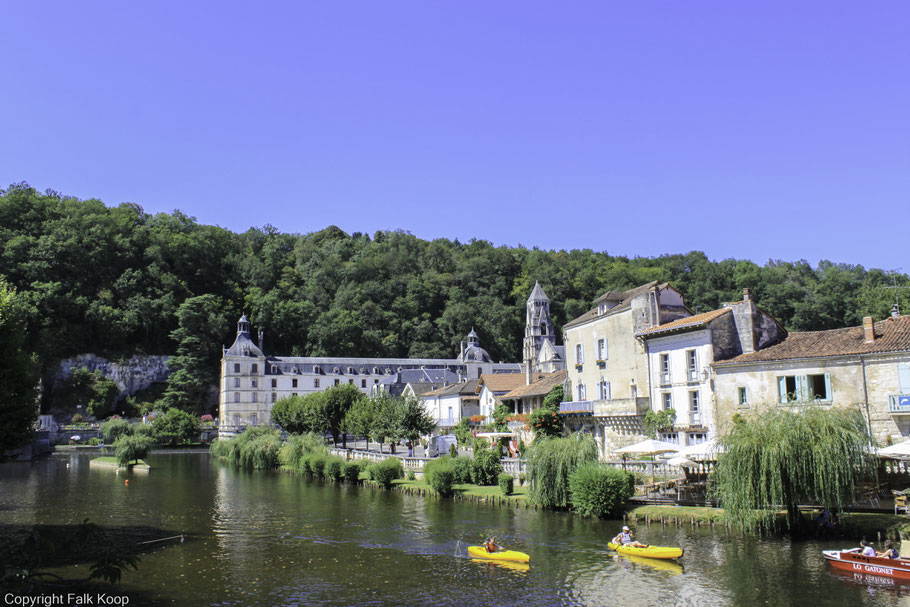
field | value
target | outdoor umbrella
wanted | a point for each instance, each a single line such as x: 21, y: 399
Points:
x: 898, y: 451
x: 649, y: 447
x: 706, y: 450
x: 682, y: 462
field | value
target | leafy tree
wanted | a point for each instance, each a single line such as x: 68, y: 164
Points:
x: 334, y: 406
x: 462, y: 432
x: 300, y: 414
x: 176, y: 427
x: 487, y: 465
x: 18, y: 381
x: 414, y: 420
x: 104, y: 394
x: 599, y: 492
x: 500, y: 418
x: 544, y: 421
x: 551, y: 462
x: 194, y: 370
x: 554, y: 397
x: 113, y: 429
x: 131, y: 448
x: 659, y: 421
x: 791, y: 456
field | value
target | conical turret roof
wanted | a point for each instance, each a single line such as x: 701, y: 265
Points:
x: 537, y: 293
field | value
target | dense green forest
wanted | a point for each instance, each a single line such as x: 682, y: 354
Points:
x: 110, y: 280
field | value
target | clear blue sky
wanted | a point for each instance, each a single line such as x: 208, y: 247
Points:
x: 750, y: 130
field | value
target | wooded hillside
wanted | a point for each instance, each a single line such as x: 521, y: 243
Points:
x: 109, y: 280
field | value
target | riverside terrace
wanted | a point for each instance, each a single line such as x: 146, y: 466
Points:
x: 660, y: 482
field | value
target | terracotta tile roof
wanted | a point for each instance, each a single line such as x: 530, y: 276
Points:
x: 891, y: 335
x: 540, y: 387
x: 690, y: 322
x: 501, y: 382
x: 623, y: 299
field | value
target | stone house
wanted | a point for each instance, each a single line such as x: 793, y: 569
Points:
x: 680, y: 358
x: 607, y: 387
x: 525, y: 399
x: 449, y: 404
x: 492, y: 387
x: 866, y: 367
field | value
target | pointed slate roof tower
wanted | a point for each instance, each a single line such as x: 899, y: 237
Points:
x: 538, y: 328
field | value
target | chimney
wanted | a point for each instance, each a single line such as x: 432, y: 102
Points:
x: 747, y: 294
x: 868, y: 330
x: 895, y: 310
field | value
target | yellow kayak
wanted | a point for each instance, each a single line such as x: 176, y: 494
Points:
x: 652, y: 552
x: 670, y: 566
x: 512, y: 565
x: 506, y: 555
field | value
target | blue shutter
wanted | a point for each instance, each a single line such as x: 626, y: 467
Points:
x: 903, y: 377
x: 782, y: 388
x: 829, y: 395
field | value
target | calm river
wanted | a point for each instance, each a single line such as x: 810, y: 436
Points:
x: 259, y: 538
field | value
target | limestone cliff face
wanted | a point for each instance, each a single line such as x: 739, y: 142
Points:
x: 137, y: 373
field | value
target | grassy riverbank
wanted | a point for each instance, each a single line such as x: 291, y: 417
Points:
x: 479, y: 492
x: 852, y: 526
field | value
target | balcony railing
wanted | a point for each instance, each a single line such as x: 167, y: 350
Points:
x: 694, y: 419
x: 447, y: 422
x: 607, y: 407
x: 899, y: 404
x: 664, y: 379
x: 577, y: 406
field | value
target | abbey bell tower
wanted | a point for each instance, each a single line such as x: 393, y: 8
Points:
x: 538, y: 329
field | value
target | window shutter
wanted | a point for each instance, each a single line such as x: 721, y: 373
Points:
x: 802, y: 388
x: 829, y: 395
x: 782, y: 388
x: 607, y: 391
x: 903, y: 377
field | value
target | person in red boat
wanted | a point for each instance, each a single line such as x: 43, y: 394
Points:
x: 866, y: 549
x: 492, y: 546
x: 890, y: 551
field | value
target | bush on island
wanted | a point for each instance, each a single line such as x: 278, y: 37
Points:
x: 317, y: 464
x: 599, y: 492
x: 131, y: 448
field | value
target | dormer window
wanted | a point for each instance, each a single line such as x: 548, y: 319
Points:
x: 388, y: 370
x: 350, y: 370
x: 375, y: 370
x: 316, y: 369
x: 336, y: 371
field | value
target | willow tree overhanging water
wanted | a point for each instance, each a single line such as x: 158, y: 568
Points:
x: 803, y: 454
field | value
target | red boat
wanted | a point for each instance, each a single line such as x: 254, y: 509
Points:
x: 853, y: 561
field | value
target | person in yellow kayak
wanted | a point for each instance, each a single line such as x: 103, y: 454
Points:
x: 627, y: 538
x: 492, y: 546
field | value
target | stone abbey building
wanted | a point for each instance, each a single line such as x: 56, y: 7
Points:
x: 251, y: 381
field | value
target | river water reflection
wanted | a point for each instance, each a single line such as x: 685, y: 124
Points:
x: 260, y: 538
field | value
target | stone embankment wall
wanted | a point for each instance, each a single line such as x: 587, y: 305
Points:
x: 137, y: 373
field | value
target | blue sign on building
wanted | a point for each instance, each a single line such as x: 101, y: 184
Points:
x: 903, y: 401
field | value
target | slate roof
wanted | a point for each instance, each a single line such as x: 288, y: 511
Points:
x: 467, y: 389
x: 422, y: 388
x: 891, y: 335
x: 540, y: 387
x: 502, y: 382
x: 690, y: 322
x: 537, y: 293
x: 622, y: 300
